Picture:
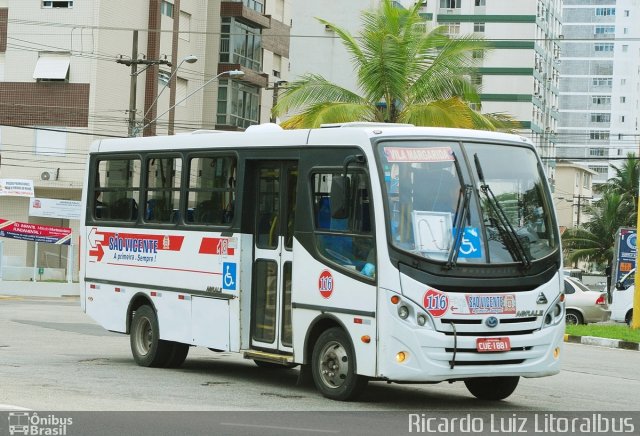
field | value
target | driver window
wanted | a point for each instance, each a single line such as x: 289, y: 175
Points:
x: 344, y: 238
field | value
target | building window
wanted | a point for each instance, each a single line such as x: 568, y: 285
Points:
x: 625, y: 30
x: 623, y: 81
x: 450, y: 4
x: 605, y: 30
x: 240, y: 44
x: 453, y: 28
x: 626, y: 12
x: 623, y: 99
x: 601, y: 99
x: 586, y: 181
x: 478, y: 27
x: 596, y: 152
x: 601, y: 135
x: 601, y: 81
x: 166, y: 8
x: 600, y: 118
x: 163, y: 78
x: 476, y: 79
x: 185, y: 26
x: 622, y: 118
x: 604, y: 46
x: 481, y: 2
x: 605, y: 12
x: 238, y: 104
x: 57, y: 4
x: 256, y: 5
x: 477, y: 54
x: 599, y: 169
x: 625, y: 48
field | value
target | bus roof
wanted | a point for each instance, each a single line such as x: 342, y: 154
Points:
x: 272, y: 135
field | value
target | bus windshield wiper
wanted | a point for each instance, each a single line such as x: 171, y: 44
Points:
x: 506, y: 230
x: 462, y: 213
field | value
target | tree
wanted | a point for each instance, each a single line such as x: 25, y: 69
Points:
x: 594, y: 241
x: 405, y: 73
x: 625, y: 183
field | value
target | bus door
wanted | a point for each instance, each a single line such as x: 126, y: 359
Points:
x: 275, y: 202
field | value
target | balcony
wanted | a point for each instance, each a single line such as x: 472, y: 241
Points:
x: 240, y: 11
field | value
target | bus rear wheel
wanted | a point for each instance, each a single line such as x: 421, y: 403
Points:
x: 333, y: 366
x: 146, y: 346
x: 492, y: 388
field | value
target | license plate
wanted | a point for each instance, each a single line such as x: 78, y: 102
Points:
x: 490, y: 345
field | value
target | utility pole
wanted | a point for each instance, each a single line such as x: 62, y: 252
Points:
x: 579, y: 204
x: 276, y: 91
x: 133, y: 63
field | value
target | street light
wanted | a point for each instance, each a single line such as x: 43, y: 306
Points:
x: 231, y: 73
x: 191, y: 59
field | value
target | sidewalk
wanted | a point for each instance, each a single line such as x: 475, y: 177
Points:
x: 602, y: 342
x: 39, y: 289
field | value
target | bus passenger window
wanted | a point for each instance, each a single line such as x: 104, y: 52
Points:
x: 211, y: 190
x: 347, y: 241
x: 163, y: 189
x: 117, y: 190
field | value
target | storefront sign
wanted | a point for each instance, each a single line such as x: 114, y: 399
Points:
x: 35, y: 232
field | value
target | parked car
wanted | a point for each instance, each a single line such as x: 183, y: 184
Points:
x: 622, y: 304
x: 583, y: 305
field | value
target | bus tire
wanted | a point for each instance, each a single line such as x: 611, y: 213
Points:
x: 178, y: 355
x: 333, y: 366
x: 492, y: 388
x: 146, y: 346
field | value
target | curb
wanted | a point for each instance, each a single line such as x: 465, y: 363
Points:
x: 602, y: 342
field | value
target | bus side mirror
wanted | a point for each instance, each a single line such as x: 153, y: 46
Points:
x: 619, y: 286
x: 339, y: 197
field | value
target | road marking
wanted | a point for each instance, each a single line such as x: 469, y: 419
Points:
x: 280, y: 428
x: 5, y: 407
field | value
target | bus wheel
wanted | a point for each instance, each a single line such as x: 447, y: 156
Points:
x: 146, y: 346
x: 492, y: 388
x: 334, y: 366
x: 178, y: 355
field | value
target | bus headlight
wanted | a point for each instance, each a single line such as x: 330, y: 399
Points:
x: 554, y: 314
x: 403, y: 312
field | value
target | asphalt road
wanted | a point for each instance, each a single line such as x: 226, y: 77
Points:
x: 54, y: 358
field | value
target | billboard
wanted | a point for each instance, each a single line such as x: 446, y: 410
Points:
x: 625, y: 253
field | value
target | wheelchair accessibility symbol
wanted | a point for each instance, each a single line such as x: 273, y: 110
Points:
x: 229, y: 276
x: 470, y: 246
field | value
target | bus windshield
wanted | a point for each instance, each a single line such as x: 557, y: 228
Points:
x: 467, y: 202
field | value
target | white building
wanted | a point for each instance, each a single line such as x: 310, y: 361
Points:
x: 599, y: 86
x: 61, y: 86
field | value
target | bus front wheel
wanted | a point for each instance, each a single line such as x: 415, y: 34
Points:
x: 492, y: 388
x: 146, y: 346
x: 333, y: 366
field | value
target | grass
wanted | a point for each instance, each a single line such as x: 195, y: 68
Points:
x: 610, y: 331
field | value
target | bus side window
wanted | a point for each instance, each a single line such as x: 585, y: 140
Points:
x: 117, y: 189
x: 347, y: 241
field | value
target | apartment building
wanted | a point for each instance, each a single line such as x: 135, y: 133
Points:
x: 68, y: 68
x: 519, y: 75
x: 599, y: 87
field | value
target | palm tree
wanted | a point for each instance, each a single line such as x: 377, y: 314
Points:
x: 594, y: 241
x: 405, y: 74
x: 625, y: 183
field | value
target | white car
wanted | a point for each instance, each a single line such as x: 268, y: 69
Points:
x: 583, y: 305
x: 622, y: 299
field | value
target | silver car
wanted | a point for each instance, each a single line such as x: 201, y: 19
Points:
x: 583, y: 305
